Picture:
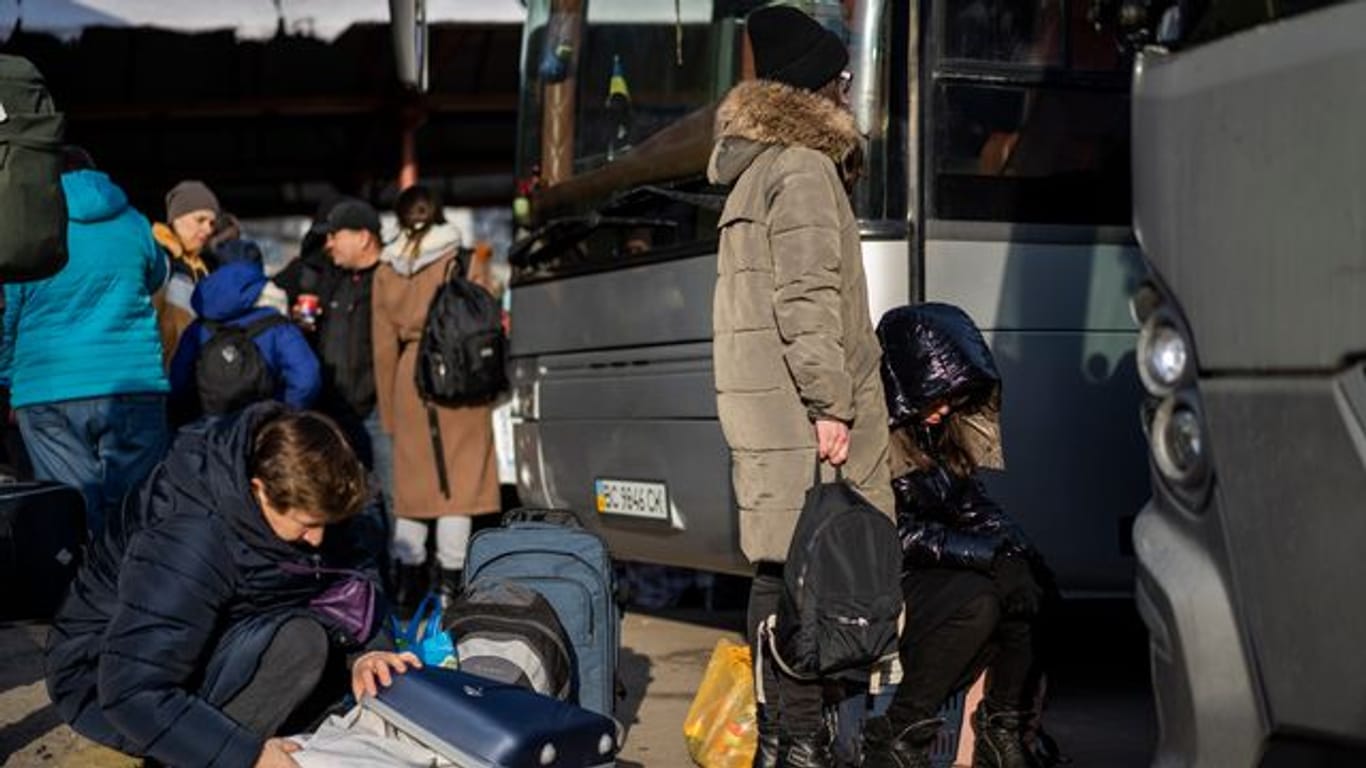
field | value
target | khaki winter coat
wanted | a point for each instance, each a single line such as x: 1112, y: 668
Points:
x: 793, y: 340
x: 401, y: 298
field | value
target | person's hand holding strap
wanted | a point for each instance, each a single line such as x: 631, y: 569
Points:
x: 832, y: 441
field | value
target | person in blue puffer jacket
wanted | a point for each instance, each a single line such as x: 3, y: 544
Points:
x: 81, y: 352
x: 232, y: 295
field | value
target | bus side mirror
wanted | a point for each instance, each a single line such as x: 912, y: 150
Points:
x: 408, y: 23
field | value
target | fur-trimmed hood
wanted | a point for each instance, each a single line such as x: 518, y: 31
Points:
x: 413, y: 252
x: 757, y: 114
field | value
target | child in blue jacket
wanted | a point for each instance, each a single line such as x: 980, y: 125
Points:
x: 231, y: 296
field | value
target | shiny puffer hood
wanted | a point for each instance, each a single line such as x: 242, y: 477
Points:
x: 933, y: 353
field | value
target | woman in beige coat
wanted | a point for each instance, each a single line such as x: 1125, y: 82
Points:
x: 796, y: 359
x: 415, y: 266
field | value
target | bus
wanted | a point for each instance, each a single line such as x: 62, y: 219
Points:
x: 1249, y: 198
x: 997, y: 180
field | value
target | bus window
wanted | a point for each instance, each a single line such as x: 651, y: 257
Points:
x: 1093, y: 49
x: 1031, y: 154
x: 1003, y: 31
x: 619, y: 132
x: 1029, y: 114
x: 631, y: 82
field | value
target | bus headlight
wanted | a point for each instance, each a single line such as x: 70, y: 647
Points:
x: 1178, y: 442
x: 1164, y: 355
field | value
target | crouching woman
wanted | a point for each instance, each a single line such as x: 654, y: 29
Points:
x: 188, y: 635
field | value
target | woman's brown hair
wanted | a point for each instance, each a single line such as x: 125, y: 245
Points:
x: 908, y: 454
x: 418, y: 210
x: 305, y: 463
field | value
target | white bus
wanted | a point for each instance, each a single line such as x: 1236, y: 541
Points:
x: 998, y: 180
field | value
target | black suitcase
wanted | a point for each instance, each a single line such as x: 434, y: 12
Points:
x: 42, y: 531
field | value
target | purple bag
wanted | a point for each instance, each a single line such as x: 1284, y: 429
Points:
x: 348, y: 606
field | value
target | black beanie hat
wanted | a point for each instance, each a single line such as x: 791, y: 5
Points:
x: 793, y: 48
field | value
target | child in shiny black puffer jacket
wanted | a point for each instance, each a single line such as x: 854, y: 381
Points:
x: 974, y: 584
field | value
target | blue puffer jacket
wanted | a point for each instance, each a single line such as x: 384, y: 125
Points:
x: 229, y: 295
x: 187, y: 561
x: 90, y: 330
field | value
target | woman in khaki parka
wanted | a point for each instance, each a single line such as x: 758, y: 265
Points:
x: 795, y: 355
x: 414, y: 268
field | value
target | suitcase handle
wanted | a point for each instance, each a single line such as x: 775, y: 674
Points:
x: 540, y: 515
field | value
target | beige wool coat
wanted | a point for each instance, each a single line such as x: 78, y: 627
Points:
x: 793, y: 340
x: 399, y: 313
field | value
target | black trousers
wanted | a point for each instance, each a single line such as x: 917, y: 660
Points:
x: 287, y: 681
x: 793, y: 707
x: 955, y: 628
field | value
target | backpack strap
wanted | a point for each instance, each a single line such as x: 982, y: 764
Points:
x: 258, y: 327
x: 438, y: 450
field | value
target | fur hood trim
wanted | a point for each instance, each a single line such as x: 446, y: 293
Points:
x: 768, y: 112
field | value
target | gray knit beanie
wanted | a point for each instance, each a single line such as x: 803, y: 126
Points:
x: 187, y: 197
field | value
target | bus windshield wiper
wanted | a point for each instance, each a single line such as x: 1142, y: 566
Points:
x: 558, y: 234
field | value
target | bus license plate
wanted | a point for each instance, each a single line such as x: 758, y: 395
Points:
x: 632, y: 498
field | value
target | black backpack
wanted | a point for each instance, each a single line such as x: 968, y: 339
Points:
x: 32, y: 206
x: 462, y: 357
x: 841, y: 599
x: 508, y: 632
x: 231, y: 373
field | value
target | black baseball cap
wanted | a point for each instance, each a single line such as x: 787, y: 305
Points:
x: 350, y: 213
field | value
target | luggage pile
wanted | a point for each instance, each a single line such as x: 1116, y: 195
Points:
x: 536, y: 635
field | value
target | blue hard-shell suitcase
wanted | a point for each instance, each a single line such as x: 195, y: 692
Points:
x: 478, y: 723
x: 550, y: 552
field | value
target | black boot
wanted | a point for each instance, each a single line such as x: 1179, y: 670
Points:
x: 451, y: 584
x: 886, y: 746
x: 808, y: 751
x: 408, y: 585
x: 766, y: 753
x: 998, y: 742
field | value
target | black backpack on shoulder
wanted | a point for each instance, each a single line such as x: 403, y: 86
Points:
x: 841, y: 601
x: 32, y: 205
x: 231, y: 373
x: 462, y: 357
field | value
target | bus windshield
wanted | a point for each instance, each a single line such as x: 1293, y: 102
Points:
x: 617, y: 105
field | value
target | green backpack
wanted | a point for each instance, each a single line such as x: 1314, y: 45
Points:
x: 32, y: 207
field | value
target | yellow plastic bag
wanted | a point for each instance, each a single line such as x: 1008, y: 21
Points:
x: 721, y: 730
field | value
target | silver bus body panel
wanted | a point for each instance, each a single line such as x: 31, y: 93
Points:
x: 638, y: 389
x: 1248, y: 156
x: 1183, y: 597
x: 605, y: 310
x: 1056, y: 319
x: 643, y: 396
x: 1245, y: 147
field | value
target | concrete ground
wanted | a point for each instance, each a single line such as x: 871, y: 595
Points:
x: 1099, y: 706
x: 662, y: 661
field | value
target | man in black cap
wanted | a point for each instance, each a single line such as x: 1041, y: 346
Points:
x: 339, y: 283
x: 795, y: 355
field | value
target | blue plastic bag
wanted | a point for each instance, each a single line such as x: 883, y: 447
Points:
x: 424, y: 637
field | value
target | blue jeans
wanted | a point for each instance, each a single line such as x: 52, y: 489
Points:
x: 105, y: 446
x: 382, y: 456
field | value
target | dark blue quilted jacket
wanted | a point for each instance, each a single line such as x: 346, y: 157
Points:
x: 189, y: 556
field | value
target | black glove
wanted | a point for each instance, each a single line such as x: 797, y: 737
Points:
x: 1020, y: 594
